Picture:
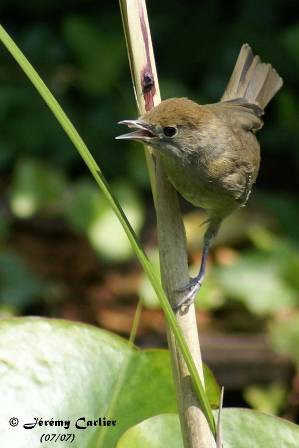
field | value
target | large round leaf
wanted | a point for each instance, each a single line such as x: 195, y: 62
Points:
x: 241, y: 428
x: 157, y: 432
x: 54, y: 369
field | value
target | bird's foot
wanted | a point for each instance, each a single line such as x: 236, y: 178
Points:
x: 189, y: 292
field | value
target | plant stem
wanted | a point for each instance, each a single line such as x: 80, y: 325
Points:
x: 171, y: 233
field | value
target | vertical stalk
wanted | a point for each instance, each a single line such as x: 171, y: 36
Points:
x: 171, y: 233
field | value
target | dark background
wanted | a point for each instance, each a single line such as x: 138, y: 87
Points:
x: 60, y: 253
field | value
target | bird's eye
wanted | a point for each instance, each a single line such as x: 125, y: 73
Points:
x: 170, y: 131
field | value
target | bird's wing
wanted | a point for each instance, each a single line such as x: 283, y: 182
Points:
x: 239, y: 114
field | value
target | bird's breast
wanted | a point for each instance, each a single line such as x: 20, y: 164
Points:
x: 199, y: 187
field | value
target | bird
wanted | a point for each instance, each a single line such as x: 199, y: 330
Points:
x: 210, y: 152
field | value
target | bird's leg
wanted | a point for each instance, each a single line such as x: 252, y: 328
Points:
x: 195, y: 283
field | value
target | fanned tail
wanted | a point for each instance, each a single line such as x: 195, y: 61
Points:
x: 252, y: 80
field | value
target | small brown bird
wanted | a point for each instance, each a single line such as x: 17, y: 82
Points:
x: 210, y: 153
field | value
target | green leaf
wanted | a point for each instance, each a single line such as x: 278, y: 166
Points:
x: 244, y: 428
x: 145, y: 290
x: 83, y: 206
x: 58, y: 369
x: 241, y: 428
x: 284, y: 336
x: 102, y: 183
x: 106, y: 234
x: 280, y: 252
x: 156, y: 432
x: 211, y: 386
x: 269, y: 399
x: 256, y: 279
x: 62, y: 370
x: 285, y: 208
x: 88, y: 212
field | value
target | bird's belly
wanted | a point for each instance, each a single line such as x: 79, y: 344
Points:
x: 198, y: 189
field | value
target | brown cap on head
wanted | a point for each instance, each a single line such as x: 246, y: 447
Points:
x: 177, y: 111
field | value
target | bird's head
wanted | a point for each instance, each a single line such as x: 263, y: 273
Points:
x: 173, y: 127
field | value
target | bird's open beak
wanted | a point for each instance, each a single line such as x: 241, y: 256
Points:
x: 144, y: 131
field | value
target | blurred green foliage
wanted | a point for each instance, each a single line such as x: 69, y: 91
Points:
x: 284, y: 334
x: 89, y: 213
x: 269, y: 399
x: 35, y: 187
x: 19, y: 286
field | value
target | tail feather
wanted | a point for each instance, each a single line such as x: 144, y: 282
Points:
x: 252, y: 80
